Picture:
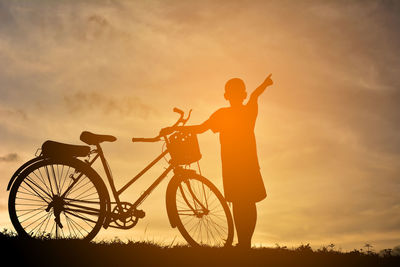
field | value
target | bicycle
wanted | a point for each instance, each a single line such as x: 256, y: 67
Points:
x: 57, y: 185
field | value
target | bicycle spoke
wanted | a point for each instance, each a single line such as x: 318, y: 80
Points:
x: 80, y: 217
x: 28, y: 194
x: 65, y: 179
x: 30, y: 211
x: 189, y: 220
x: 55, y: 179
x: 82, y: 211
x: 57, y: 231
x: 86, y: 220
x: 74, y: 225
x: 41, y: 224
x: 43, y: 182
x: 52, y: 227
x: 27, y: 226
x: 43, y: 179
x: 86, y: 196
x: 69, y: 200
x: 30, y: 217
x: 48, y: 178
x: 30, y: 191
x: 214, y: 225
x: 34, y: 200
x: 40, y: 207
x: 37, y: 193
x: 70, y: 228
x: 48, y: 220
x: 73, y: 187
x: 76, y: 186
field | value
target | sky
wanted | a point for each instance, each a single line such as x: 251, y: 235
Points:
x: 327, y: 130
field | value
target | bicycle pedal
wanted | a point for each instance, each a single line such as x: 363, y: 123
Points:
x: 139, y: 214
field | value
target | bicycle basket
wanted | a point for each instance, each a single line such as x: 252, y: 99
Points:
x: 183, y: 148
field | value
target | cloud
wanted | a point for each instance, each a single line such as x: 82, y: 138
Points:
x: 93, y: 101
x: 13, y: 113
x: 11, y: 157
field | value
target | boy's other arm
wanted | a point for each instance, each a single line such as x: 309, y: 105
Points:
x: 196, y: 129
x: 260, y: 89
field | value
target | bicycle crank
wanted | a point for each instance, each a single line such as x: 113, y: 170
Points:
x: 127, y: 217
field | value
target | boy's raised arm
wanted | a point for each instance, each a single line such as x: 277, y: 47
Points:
x: 261, y: 88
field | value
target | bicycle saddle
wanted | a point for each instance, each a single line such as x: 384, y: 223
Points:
x: 94, y: 139
x: 56, y: 149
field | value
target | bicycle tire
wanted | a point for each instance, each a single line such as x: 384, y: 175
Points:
x: 215, y: 234
x: 36, y: 197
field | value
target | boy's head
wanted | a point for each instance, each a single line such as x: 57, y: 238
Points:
x: 235, y: 91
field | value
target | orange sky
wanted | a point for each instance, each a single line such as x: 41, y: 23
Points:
x: 327, y: 131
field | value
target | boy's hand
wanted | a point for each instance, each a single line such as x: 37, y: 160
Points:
x: 169, y: 130
x: 268, y: 81
x: 184, y: 129
x: 166, y: 131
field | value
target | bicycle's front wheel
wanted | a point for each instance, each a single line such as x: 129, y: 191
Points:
x: 57, y: 199
x: 200, y: 212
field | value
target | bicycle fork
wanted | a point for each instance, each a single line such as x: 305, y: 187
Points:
x: 196, y: 201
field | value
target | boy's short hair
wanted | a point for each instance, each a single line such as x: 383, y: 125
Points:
x: 235, y: 86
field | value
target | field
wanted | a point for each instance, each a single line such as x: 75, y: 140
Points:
x: 117, y: 253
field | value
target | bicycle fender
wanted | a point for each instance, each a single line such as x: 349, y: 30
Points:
x: 20, y: 169
x: 107, y: 219
x: 168, y: 200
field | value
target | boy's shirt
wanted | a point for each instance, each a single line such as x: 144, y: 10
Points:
x: 240, y: 167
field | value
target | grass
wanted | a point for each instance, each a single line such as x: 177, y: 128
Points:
x: 117, y: 253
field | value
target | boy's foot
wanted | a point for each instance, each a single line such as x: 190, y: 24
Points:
x: 243, y: 246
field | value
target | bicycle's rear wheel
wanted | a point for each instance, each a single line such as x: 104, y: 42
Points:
x: 40, y: 208
x: 200, y: 212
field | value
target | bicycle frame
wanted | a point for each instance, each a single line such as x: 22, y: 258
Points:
x: 116, y: 193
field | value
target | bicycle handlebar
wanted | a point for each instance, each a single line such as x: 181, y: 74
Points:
x: 177, y: 110
x: 158, y: 137
x: 154, y: 139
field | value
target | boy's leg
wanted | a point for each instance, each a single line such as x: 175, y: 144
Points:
x: 245, y: 216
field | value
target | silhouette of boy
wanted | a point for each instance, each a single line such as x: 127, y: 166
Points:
x: 243, y: 184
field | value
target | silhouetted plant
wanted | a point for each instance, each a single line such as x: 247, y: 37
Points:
x: 356, y: 252
x: 305, y: 248
x: 368, y: 246
x: 387, y: 252
x: 327, y: 249
x: 8, y: 233
x: 396, y: 251
x: 280, y: 247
